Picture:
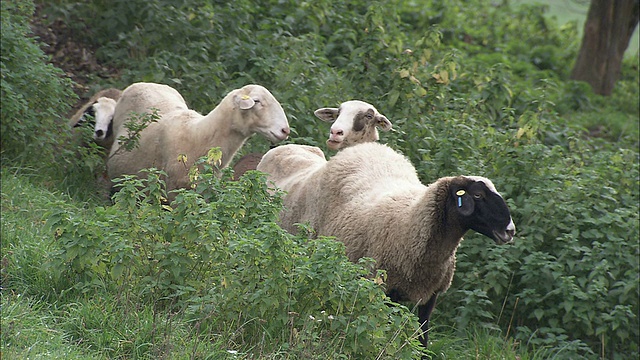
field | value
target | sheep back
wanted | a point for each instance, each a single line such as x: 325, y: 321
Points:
x: 290, y: 167
x: 142, y: 97
x: 364, y: 197
x: 153, y: 144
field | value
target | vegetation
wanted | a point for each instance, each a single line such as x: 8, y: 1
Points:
x: 28, y: 109
x: 212, y: 276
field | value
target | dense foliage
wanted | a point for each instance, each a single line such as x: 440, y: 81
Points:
x: 471, y: 87
x: 217, y: 256
x: 29, y: 120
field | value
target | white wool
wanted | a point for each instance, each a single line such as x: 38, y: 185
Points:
x: 181, y: 131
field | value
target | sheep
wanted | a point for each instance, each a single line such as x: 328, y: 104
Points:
x: 104, y: 109
x: 245, y: 163
x: 78, y: 119
x: 100, y: 106
x: 181, y: 131
x: 369, y: 197
x: 354, y: 122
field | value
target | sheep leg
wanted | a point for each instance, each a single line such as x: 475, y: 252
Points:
x: 424, y: 313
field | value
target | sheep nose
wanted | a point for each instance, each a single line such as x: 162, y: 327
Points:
x: 338, y: 132
x: 286, y: 131
x: 99, y: 133
x: 511, y: 228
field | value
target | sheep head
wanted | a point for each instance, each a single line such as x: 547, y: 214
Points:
x: 103, y: 110
x: 481, y: 208
x: 78, y: 118
x: 261, y: 113
x: 353, y: 122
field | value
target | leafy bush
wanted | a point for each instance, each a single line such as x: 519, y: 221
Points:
x: 573, y: 271
x: 227, y: 265
x: 33, y: 93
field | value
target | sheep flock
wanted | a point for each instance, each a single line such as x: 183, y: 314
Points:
x: 367, y: 195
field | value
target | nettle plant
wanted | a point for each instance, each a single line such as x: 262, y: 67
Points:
x: 217, y: 256
x: 570, y: 281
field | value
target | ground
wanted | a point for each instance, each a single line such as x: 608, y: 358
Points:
x: 76, y: 59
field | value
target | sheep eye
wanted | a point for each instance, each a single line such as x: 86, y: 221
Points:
x: 477, y: 196
x: 257, y: 101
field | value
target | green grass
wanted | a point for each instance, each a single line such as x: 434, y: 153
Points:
x: 480, y: 343
x: 619, y: 127
x: 30, y: 330
x: 30, y: 324
x: 45, y: 319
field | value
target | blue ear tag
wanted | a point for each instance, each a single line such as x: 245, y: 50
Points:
x: 460, y: 193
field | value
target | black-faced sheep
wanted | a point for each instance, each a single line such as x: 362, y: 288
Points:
x: 354, y: 122
x: 181, y: 131
x: 369, y: 197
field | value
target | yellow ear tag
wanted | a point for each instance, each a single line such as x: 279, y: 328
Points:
x: 460, y: 192
x: 246, y: 97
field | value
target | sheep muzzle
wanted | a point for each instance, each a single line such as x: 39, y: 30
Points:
x: 505, y: 236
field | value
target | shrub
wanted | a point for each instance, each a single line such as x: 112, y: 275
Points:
x: 227, y: 265
x: 34, y: 93
x: 571, y: 279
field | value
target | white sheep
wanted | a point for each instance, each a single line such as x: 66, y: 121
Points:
x: 181, y: 131
x: 369, y: 197
x: 104, y: 108
x: 354, y: 122
x: 101, y: 106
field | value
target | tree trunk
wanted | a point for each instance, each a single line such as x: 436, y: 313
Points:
x: 607, y: 31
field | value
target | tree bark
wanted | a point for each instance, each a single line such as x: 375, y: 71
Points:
x: 607, y: 31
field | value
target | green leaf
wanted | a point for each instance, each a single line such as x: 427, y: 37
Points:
x: 538, y: 313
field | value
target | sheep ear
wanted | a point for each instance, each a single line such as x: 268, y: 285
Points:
x: 326, y: 114
x: 383, y: 123
x: 245, y: 102
x: 91, y: 111
x: 464, y: 203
